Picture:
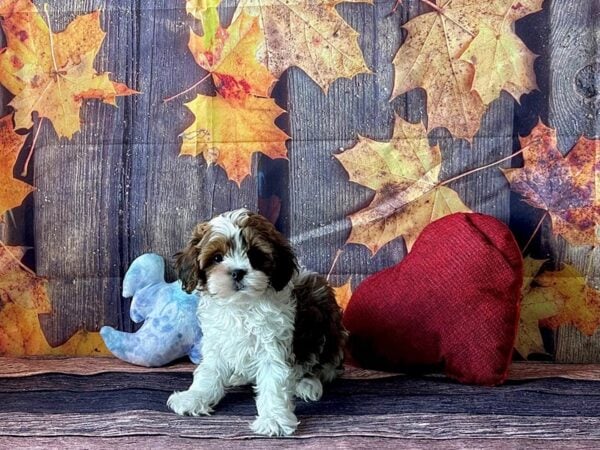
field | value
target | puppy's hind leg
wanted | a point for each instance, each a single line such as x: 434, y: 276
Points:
x: 309, y: 389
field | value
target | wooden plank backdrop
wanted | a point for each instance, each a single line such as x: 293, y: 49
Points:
x: 119, y: 188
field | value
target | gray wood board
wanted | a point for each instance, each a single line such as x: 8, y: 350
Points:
x: 119, y: 187
x: 77, y: 226
x: 321, y: 197
x: 574, y: 111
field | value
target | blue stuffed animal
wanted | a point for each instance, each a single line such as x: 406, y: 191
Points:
x: 170, y: 328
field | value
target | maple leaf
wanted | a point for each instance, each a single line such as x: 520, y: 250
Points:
x: 23, y: 295
x: 535, y: 306
x: 231, y: 56
x: 404, y: 174
x: 501, y: 61
x: 227, y: 132
x: 343, y: 293
x: 568, y: 188
x: 52, y: 73
x: 430, y: 58
x: 12, y: 191
x: 580, y: 303
x: 309, y: 34
x: 206, y: 12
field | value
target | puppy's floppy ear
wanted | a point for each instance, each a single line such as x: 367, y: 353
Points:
x: 186, y: 261
x: 284, y: 263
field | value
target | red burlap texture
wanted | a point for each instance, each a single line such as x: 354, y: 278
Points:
x: 451, y: 304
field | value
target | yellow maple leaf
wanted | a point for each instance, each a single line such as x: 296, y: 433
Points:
x: 430, y: 58
x: 309, y: 34
x: 232, y: 56
x: 198, y: 8
x: 567, y: 187
x: 23, y: 295
x: 534, y: 307
x: 404, y: 173
x: 228, y: 132
x: 580, y: 302
x: 501, y: 61
x: 52, y: 73
x: 343, y: 293
x: 12, y: 191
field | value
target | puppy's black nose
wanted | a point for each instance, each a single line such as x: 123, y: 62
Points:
x: 238, y: 274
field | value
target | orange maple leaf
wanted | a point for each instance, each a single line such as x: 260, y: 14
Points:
x: 309, y: 34
x: 343, y: 293
x: 231, y: 56
x: 404, y: 173
x: 535, y: 307
x: 12, y: 191
x: 228, y: 131
x: 568, y: 188
x: 447, y: 53
x: 52, y: 73
x: 23, y: 295
x: 580, y: 303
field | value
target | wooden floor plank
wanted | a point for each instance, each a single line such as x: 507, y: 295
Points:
x: 401, y: 426
x: 318, y: 443
x: 19, y: 367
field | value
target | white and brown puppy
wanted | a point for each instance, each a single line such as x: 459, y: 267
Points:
x: 264, y: 321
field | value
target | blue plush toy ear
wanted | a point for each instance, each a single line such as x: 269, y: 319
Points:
x: 144, y: 270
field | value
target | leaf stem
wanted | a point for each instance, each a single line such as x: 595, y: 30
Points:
x: 335, y: 259
x: 477, y: 169
x: 23, y: 266
x: 537, y: 228
x: 35, y: 138
x: 187, y: 90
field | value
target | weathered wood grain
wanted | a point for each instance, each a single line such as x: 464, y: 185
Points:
x: 317, y: 443
x: 320, y: 196
x: 22, y: 367
x: 574, y: 111
x: 130, y: 408
x: 77, y: 225
x: 168, y: 194
x: 398, y: 426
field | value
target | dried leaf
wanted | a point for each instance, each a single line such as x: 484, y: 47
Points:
x: 12, y: 191
x: 501, y: 61
x: 52, y: 73
x: 580, y: 302
x: 207, y: 13
x: 309, y: 34
x: 534, y: 308
x: 404, y: 173
x: 23, y: 296
x: 227, y: 132
x: 567, y: 187
x: 343, y: 293
x: 438, y: 39
x: 231, y: 56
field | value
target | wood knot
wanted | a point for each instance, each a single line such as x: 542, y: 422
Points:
x: 587, y: 81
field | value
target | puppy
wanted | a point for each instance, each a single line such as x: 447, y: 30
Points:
x: 264, y: 321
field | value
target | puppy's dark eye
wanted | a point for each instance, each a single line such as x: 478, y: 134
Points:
x: 217, y: 258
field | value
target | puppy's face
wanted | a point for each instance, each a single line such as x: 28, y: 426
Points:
x: 236, y: 253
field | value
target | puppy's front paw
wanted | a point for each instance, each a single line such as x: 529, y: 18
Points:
x: 188, y: 403
x: 275, y: 426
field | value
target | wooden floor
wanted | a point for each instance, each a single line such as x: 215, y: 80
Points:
x: 104, y: 403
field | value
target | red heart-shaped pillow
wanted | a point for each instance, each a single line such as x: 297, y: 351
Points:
x: 453, y: 302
